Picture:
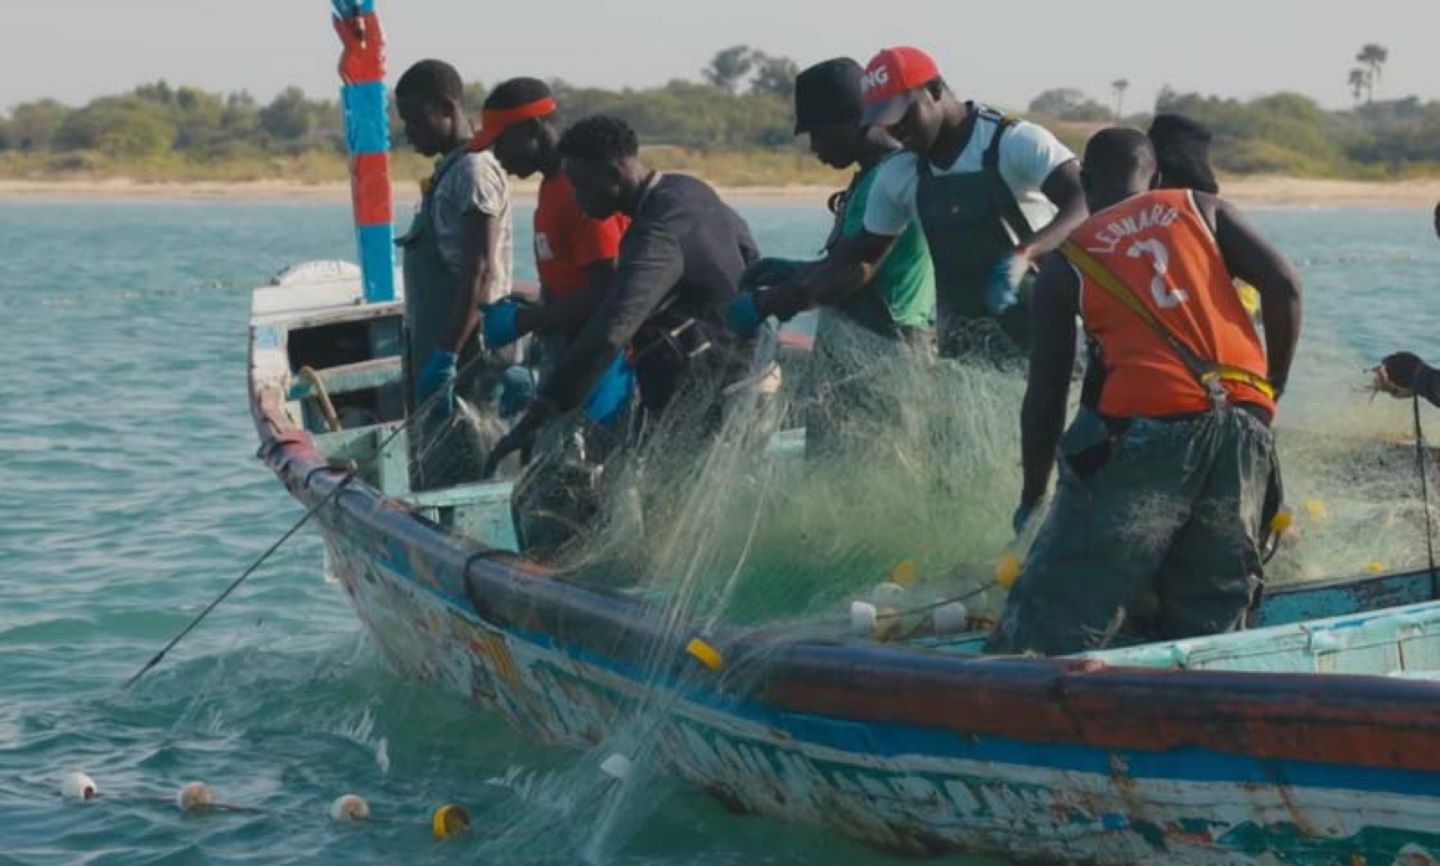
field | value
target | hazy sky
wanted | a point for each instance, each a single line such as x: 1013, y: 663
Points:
x: 1001, y: 52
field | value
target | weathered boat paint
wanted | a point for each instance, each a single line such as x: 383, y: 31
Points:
x: 952, y: 780
x: 921, y: 751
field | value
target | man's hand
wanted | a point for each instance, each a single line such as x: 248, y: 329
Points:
x: 438, y: 375
x: 1402, y: 374
x: 501, y: 326
x: 1002, y: 290
x: 611, y: 394
x: 520, y: 438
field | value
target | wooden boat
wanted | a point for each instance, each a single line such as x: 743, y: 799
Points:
x: 1313, y: 738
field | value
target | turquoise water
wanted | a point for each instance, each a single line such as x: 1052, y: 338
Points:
x: 131, y: 497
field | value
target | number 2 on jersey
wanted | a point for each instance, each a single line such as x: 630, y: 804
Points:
x: 1165, y: 297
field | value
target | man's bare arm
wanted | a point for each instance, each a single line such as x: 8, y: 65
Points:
x: 849, y: 267
x: 477, y: 277
x: 1062, y: 187
x: 1053, y: 307
x: 568, y: 315
x: 1253, y: 259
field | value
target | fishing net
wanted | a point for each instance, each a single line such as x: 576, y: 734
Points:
x: 760, y: 504
x: 715, y: 513
x: 1351, y: 479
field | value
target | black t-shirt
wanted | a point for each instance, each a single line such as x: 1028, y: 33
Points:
x: 681, y: 258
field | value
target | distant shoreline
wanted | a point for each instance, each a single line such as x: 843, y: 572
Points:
x: 1266, y: 191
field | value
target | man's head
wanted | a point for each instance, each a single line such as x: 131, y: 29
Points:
x: 905, y: 94
x: 1119, y: 163
x: 828, y: 107
x: 1182, y: 152
x: 428, y: 99
x: 519, y: 122
x: 601, y: 158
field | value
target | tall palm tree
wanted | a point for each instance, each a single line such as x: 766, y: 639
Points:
x: 1120, y: 85
x: 1359, y: 81
x: 1373, y: 56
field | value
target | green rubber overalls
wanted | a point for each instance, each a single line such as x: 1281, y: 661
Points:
x: 442, y: 453
x: 972, y: 221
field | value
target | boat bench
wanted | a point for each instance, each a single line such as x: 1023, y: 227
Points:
x: 348, y: 378
x: 1403, y: 641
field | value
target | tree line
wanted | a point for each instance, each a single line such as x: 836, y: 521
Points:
x: 739, y: 104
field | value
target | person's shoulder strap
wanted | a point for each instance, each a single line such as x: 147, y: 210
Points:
x: 990, y: 160
x: 1010, y: 211
x: 1206, y: 372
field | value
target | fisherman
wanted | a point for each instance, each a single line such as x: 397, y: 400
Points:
x: 1182, y: 154
x: 991, y: 193
x: 1403, y: 374
x: 897, y: 304
x: 680, y: 265
x: 574, y: 255
x: 457, y: 258
x: 1166, y: 469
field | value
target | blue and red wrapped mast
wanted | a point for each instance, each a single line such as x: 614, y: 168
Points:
x: 367, y: 133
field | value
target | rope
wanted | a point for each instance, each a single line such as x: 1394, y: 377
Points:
x: 294, y: 528
x: 320, y: 395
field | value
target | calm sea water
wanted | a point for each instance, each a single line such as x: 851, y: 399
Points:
x: 129, y: 496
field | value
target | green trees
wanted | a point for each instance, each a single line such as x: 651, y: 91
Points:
x: 1359, y: 83
x: 742, y: 107
x: 118, y: 125
x: 1364, y: 77
x: 289, y: 117
x: 687, y: 114
x: 1372, y: 57
x: 1067, y: 103
x: 729, y: 67
x: 33, y: 125
x: 774, y: 76
x: 1291, y: 134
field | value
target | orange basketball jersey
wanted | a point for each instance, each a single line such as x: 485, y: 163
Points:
x: 1159, y: 246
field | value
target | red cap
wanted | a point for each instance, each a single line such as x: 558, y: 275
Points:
x: 891, y: 78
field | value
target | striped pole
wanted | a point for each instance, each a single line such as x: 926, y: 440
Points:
x: 367, y: 132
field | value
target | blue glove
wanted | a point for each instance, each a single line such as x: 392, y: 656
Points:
x: 1002, y: 288
x: 517, y: 389
x: 1020, y: 518
x: 500, y: 328
x: 611, y: 393
x: 742, y: 317
x: 438, y: 375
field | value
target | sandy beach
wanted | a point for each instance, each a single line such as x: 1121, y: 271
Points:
x: 1264, y: 191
